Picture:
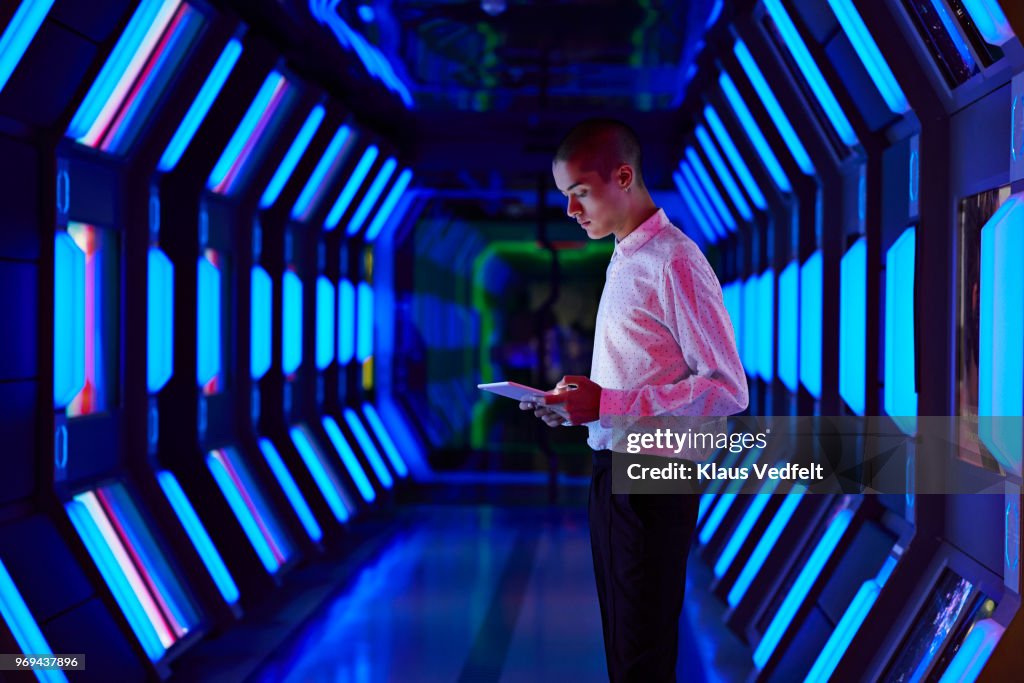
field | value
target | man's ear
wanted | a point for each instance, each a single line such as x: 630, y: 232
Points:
x: 625, y: 176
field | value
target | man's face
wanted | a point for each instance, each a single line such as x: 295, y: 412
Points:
x: 599, y: 205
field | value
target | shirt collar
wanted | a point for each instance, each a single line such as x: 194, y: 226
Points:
x: 642, y: 234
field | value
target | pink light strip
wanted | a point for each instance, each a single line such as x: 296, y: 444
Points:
x: 166, y: 614
x: 113, y: 104
x: 108, y: 135
x: 99, y: 518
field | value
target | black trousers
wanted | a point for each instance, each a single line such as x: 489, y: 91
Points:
x: 640, y: 544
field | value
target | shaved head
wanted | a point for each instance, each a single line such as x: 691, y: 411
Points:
x: 602, y: 145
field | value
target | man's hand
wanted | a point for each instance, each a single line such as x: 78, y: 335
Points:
x: 551, y: 418
x: 577, y: 397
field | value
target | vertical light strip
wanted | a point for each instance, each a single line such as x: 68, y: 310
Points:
x: 291, y: 158
x: 348, y: 459
x: 852, y: 334
x: 805, y: 580
x: 870, y: 56
x: 15, y: 40
x: 364, y: 331
x: 331, y: 159
x: 766, y: 324
x: 711, y: 152
x: 899, y: 390
x: 1001, y: 334
x: 390, y: 449
x: 355, y: 181
x: 68, y: 319
x: 346, y: 322
x: 291, y: 321
x: 810, y: 324
x: 371, y: 196
x: 694, y: 208
x: 711, y: 189
x: 396, y: 192
x: 200, y: 106
x: 774, y: 109
x: 23, y: 626
x: 749, y: 125
x: 208, y: 321
x: 200, y: 539
x: 974, y: 653
x: 735, y: 158
x: 260, y: 322
x: 291, y: 489
x: 751, y: 326
x: 369, y: 449
x: 811, y: 73
x: 325, y: 323
x: 329, y: 487
x: 159, y: 320
x: 788, y: 332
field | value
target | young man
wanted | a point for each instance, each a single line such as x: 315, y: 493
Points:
x: 663, y: 346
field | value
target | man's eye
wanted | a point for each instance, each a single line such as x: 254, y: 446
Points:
x: 581, y: 195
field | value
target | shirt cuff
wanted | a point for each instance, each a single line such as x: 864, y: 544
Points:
x: 614, y: 402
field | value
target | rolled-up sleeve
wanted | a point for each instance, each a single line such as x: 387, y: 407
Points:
x: 714, y: 383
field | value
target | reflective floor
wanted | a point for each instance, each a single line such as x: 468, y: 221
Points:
x: 469, y: 593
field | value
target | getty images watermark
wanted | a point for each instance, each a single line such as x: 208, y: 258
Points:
x: 828, y: 455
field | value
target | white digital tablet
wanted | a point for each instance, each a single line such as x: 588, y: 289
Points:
x: 519, y: 392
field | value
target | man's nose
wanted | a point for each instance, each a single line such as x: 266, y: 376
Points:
x: 574, y: 207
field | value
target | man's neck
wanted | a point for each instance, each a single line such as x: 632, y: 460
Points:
x: 637, y: 217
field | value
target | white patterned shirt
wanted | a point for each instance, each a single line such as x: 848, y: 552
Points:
x: 663, y: 344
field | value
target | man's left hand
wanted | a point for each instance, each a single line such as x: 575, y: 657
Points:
x: 583, y: 404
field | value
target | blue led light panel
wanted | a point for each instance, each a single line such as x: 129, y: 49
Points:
x: 386, y: 209
x: 348, y: 193
x: 159, y: 320
x: 68, y: 319
x: 364, y: 332
x: 870, y: 56
x: 196, y: 114
x: 291, y: 321
x: 749, y: 125
x: 810, y: 71
x: 346, y: 322
x: 766, y: 324
x: 711, y: 189
x: 260, y: 322
x: 331, y: 161
x: 990, y: 20
x: 852, y: 325
x: 325, y: 324
x: 292, y: 156
x: 208, y: 321
x: 371, y: 196
x: 810, y: 324
x: 751, y: 320
x: 899, y: 391
x: 711, y: 152
x: 16, y: 38
x: 1001, y: 338
x: 771, y: 104
x: 23, y: 626
x: 694, y: 208
x: 735, y: 158
x: 705, y: 205
x: 291, y: 489
x: 788, y: 334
